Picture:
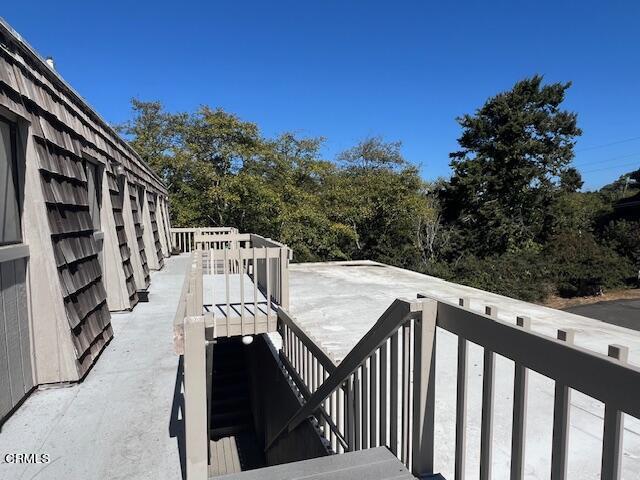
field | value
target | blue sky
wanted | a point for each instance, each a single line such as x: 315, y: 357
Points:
x: 347, y: 69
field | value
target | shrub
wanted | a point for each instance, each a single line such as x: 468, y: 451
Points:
x: 582, y: 266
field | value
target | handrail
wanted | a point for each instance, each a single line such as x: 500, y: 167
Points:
x: 596, y: 375
x: 399, y: 312
x: 325, y: 360
x: 386, y: 385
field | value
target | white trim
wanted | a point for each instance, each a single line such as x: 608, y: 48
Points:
x: 13, y: 252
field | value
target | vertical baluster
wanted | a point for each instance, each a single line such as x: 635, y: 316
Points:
x: 340, y: 417
x: 357, y: 402
x: 314, y: 368
x: 406, y: 391
x: 461, y: 404
x: 520, y: 381
x: 282, y: 329
x: 393, y: 396
x: 255, y: 330
x: 325, y: 404
x: 350, y: 415
x: 382, y: 418
x: 613, y: 427
x: 488, y: 384
x: 254, y: 269
x: 373, y: 428
x: 305, y: 359
x: 268, y: 279
x: 334, y: 419
x: 560, y: 439
x: 226, y: 293
x: 365, y: 404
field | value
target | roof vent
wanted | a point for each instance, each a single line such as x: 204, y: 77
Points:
x: 49, y: 61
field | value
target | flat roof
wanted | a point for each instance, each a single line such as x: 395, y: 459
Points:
x: 123, y: 419
x: 336, y: 304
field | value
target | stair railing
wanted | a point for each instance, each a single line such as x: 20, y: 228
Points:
x: 404, y: 333
x: 382, y: 407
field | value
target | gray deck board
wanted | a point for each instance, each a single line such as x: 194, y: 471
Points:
x: 372, y: 464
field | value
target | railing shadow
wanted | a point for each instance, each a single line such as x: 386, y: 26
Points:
x: 176, y: 420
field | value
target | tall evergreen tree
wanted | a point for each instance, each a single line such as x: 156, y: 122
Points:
x: 514, y: 151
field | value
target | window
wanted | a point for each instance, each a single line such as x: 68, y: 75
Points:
x: 94, y: 188
x: 9, y: 193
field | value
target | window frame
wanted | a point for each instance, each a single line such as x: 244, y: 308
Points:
x: 15, y: 173
x: 92, y: 166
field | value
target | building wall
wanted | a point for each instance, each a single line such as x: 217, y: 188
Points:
x: 78, y: 267
x: 16, y: 375
x: 274, y: 402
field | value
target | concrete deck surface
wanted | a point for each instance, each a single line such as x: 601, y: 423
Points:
x: 337, y: 303
x: 117, y: 423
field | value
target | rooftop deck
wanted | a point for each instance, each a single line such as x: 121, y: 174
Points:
x: 337, y: 303
x: 121, y: 421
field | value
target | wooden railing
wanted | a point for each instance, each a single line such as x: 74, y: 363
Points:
x: 383, y: 392
x: 190, y: 340
x: 184, y: 239
x: 237, y: 258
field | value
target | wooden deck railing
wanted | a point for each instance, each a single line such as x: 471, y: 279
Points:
x: 190, y: 340
x: 184, y: 239
x: 383, y: 392
x: 250, y: 259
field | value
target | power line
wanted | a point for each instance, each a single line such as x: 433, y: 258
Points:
x: 600, y: 160
x: 593, y: 147
x: 611, y: 167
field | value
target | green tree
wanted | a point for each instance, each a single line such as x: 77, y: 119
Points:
x: 514, y: 151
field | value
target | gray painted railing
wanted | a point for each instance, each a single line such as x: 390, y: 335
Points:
x: 234, y: 256
x: 383, y: 392
x: 184, y: 239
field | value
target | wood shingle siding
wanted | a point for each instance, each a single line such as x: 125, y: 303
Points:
x: 154, y: 228
x: 125, y: 253
x: 84, y: 235
x: 139, y: 231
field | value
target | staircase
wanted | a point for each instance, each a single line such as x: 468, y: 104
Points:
x: 233, y: 446
x: 230, y: 400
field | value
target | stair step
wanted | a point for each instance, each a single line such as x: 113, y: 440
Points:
x: 222, y: 402
x: 230, y: 389
x: 230, y: 430
x: 221, y: 419
x: 224, y: 374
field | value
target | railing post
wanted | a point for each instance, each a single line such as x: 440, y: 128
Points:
x: 560, y: 438
x: 423, y: 389
x: 613, y: 427
x: 520, y: 384
x: 284, y: 278
x: 461, y: 404
x: 488, y: 386
x: 195, y: 399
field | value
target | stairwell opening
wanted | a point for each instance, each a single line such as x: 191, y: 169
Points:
x: 251, y: 398
x: 231, y: 420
